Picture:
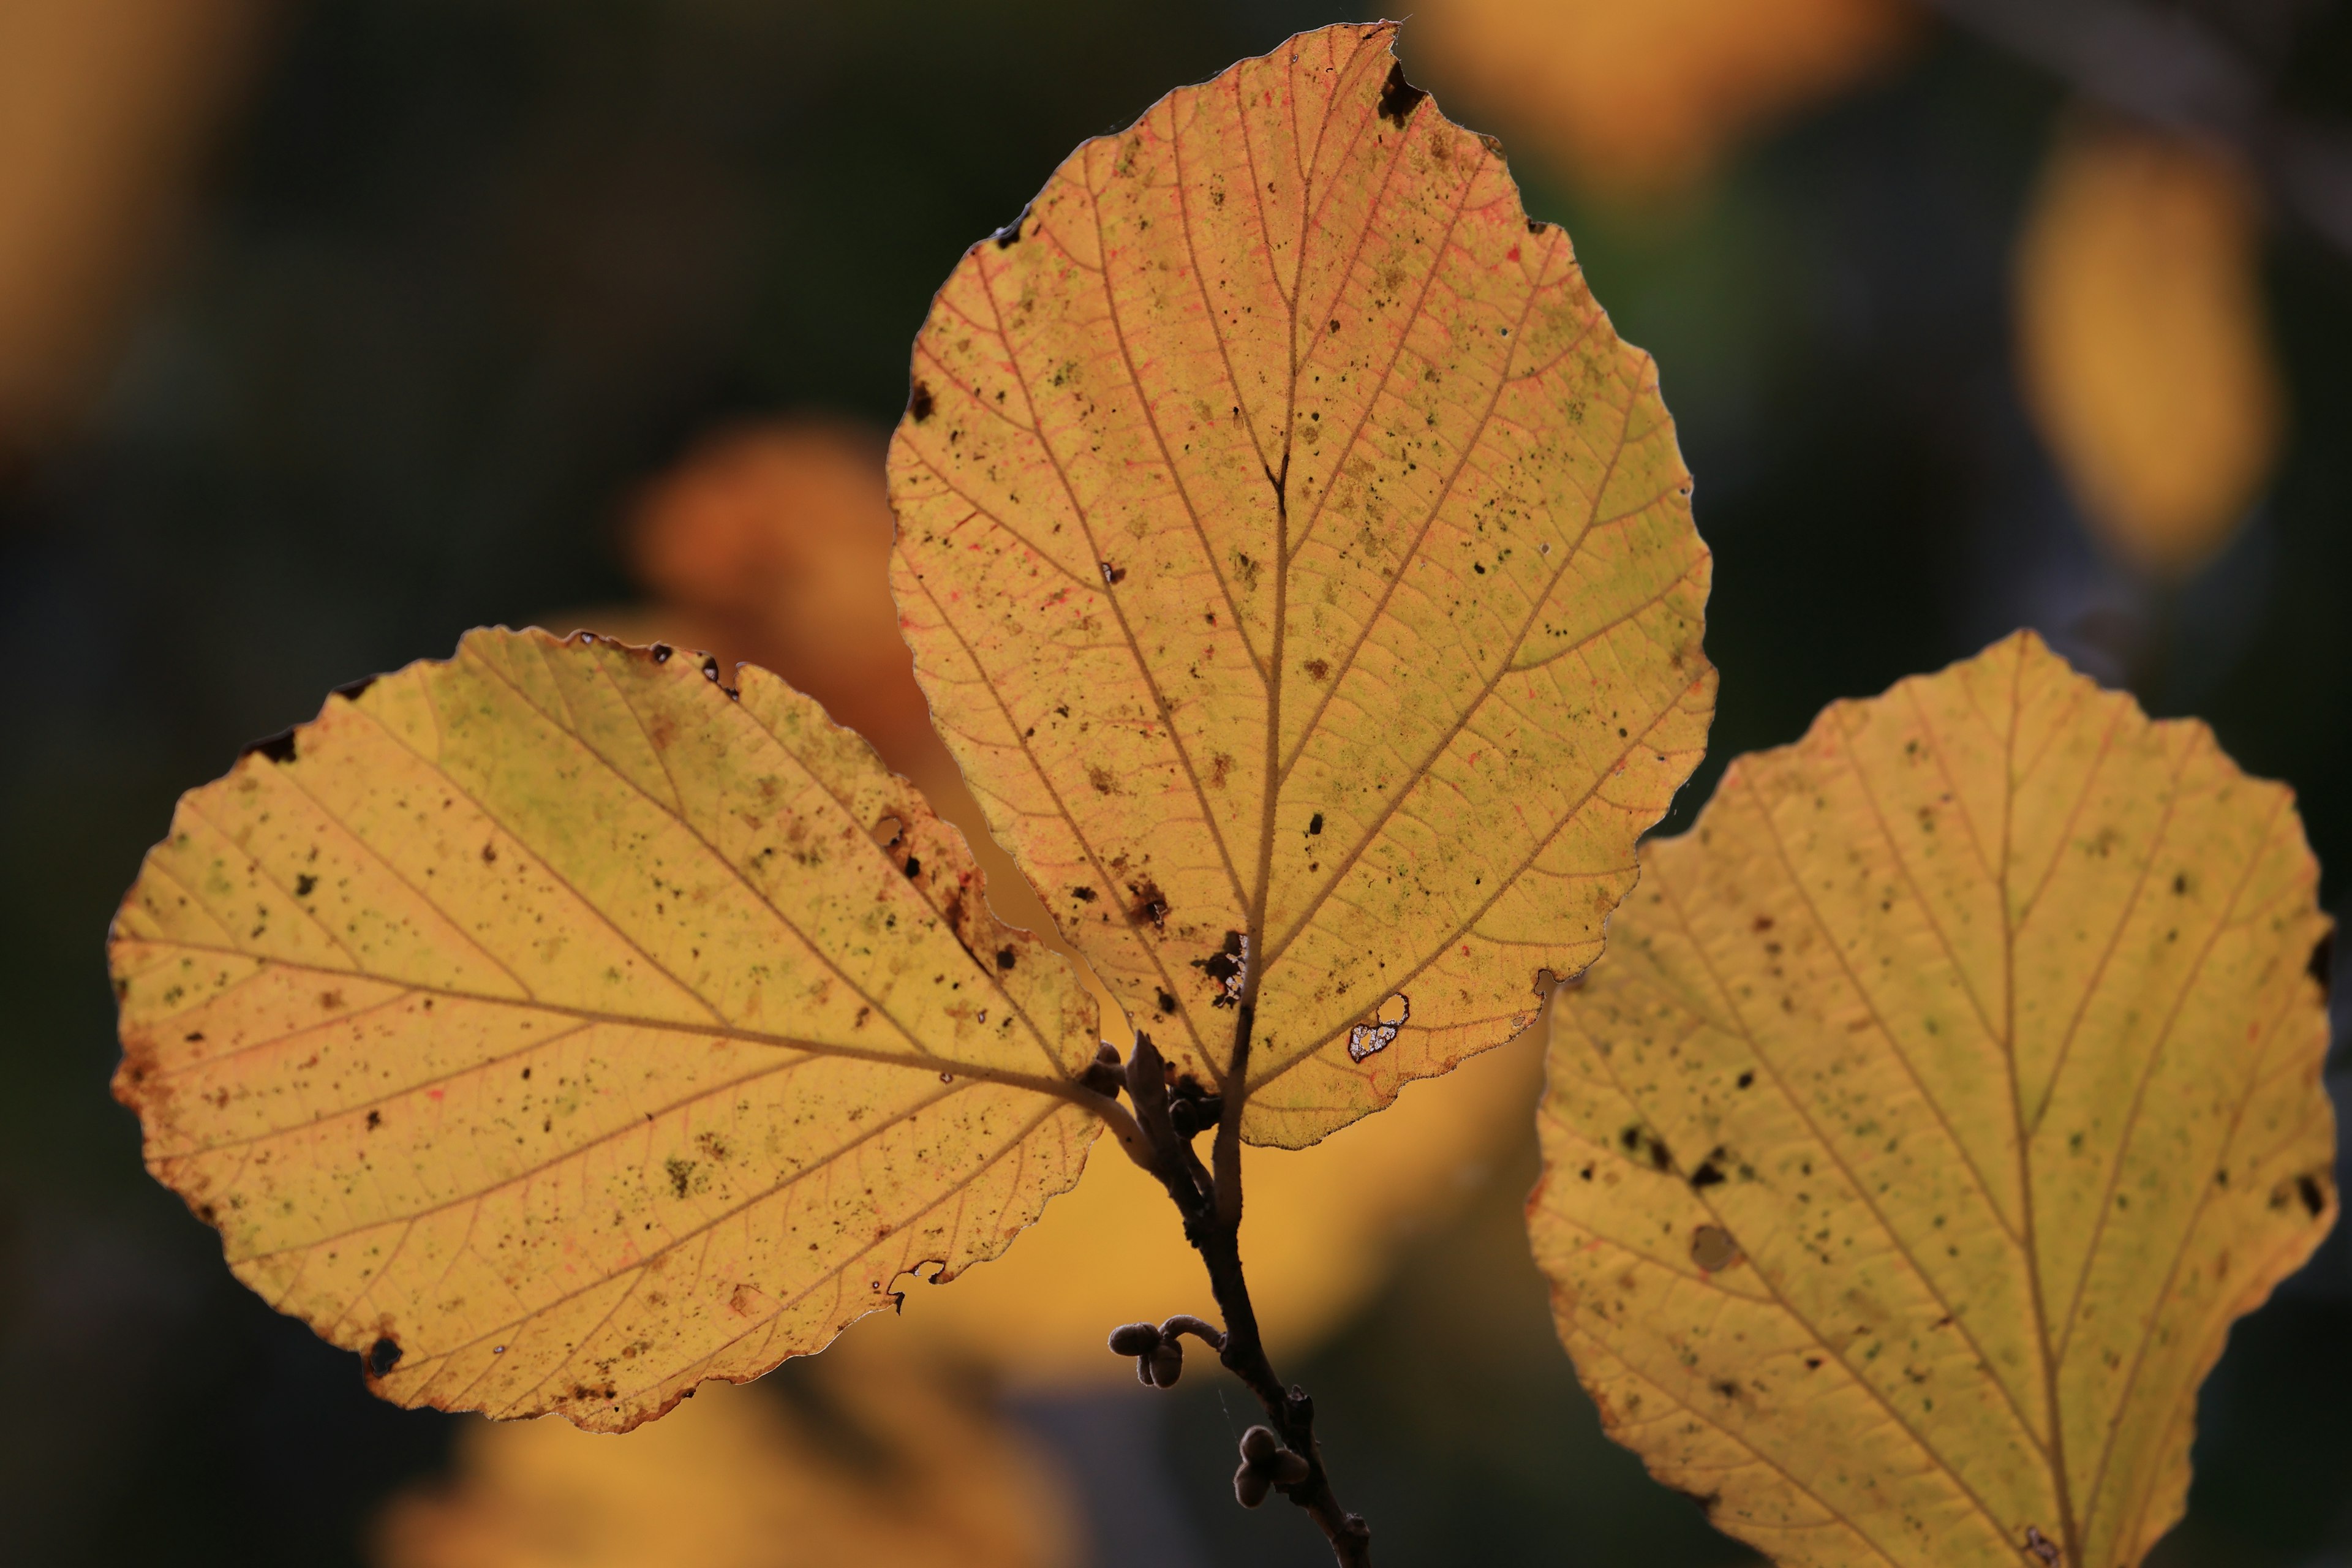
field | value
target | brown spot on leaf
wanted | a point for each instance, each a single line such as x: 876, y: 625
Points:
x: 1713, y: 1248
x: 2314, y: 1197
x: 1399, y: 97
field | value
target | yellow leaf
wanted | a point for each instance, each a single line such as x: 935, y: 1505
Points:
x: 774, y: 540
x: 1302, y: 572
x: 2146, y: 362
x: 559, y: 1031
x: 1948, y: 1090
x: 108, y: 109
x: 1638, y: 98
x: 880, y: 1464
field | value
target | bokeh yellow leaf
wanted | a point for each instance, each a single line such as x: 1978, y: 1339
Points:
x: 559, y: 1030
x: 1638, y: 98
x: 1302, y: 572
x: 2145, y: 360
x: 878, y: 1462
x: 106, y: 108
x: 1947, y: 1091
x: 1322, y: 1233
x: 773, y: 540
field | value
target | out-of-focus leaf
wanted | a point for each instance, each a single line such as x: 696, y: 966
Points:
x: 877, y: 1463
x: 774, y: 540
x: 2146, y: 360
x: 1302, y: 572
x: 1948, y: 1090
x: 1321, y: 1234
x: 559, y: 1030
x: 1635, y: 100
x: 104, y: 108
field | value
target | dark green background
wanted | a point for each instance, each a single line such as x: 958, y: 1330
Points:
x: 467, y: 271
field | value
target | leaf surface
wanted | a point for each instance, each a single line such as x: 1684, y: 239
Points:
x: 558, y: 1029
x: 1302, y: 573
x: 1949, y: 1089
x: 2145, y: 360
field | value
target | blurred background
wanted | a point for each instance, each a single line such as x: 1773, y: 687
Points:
x: 332, y: 327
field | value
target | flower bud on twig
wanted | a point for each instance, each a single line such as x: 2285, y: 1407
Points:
x: 1135, y: 1339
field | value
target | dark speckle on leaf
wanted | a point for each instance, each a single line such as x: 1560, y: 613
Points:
x: 383, y: 1356
x: 2308, y: 1189
x: 303, y: 884
x: 914, y: 867
x: 1004, y: 958
x: 662, y: 651
x: 1643, y: 1144
x: 920, y: 404
x: 278, y: 748
x: 1398, y: 96
x: 1150, y: 904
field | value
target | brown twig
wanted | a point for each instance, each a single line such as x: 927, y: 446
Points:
x: 1209, y: 1200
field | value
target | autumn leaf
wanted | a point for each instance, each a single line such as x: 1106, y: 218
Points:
x: 2146, y: 362
x: 772, y: 541
x: 1638, y: 100
x: 108, y: 109
x: 1302, y: 573
x: 876, y: 1462
x: 1947, y: 1091
x: 558, y: 1029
